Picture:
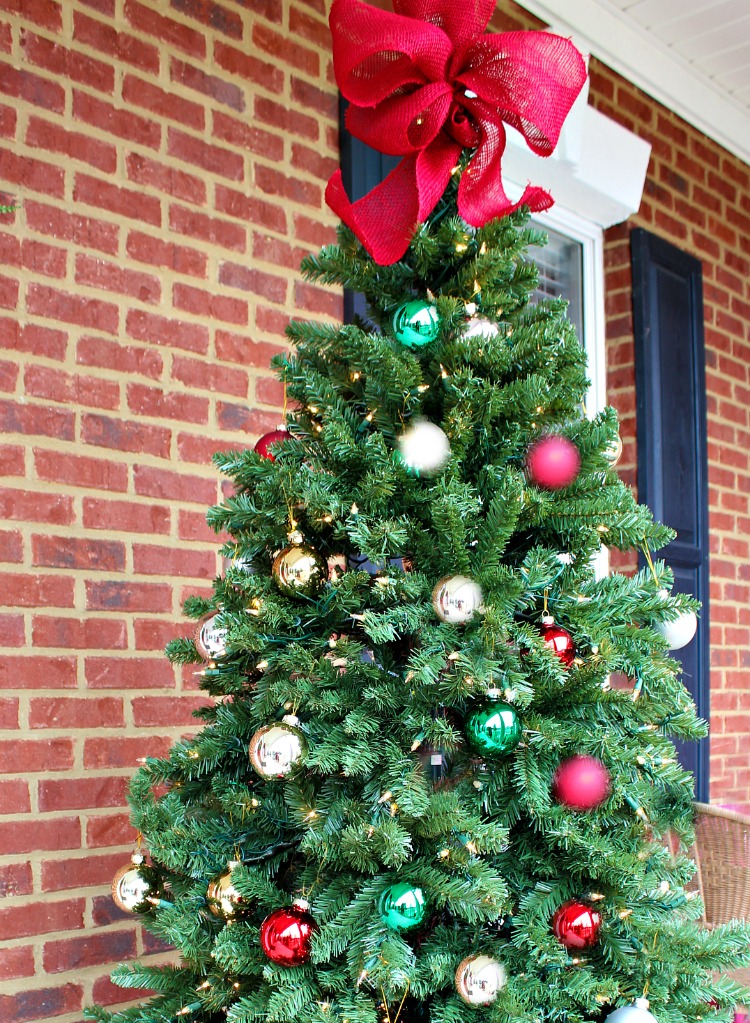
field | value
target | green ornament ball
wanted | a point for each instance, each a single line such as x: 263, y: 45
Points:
x: 493, y: 729
x: 416, y: 323
x: 402, y: 906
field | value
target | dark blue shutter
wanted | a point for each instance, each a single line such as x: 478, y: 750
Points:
x: 672, y: 458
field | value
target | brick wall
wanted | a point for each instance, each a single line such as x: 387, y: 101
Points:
x: 170, y: 157
x: 170, y: 167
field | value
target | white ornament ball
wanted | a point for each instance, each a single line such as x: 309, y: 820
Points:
x: 456, y: 599
x: 481, y: 327
x: 680, y: 631
x: 635, y: 1013
x: 479, y: 978
x: 424, y: 448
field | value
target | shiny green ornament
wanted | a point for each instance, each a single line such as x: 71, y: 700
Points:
x: 493, y: 729
x: 402, y: 906
x: 416, y: 323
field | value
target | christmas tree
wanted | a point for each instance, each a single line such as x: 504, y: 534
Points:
x: 416, y: 795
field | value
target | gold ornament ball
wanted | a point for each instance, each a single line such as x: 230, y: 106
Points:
x: 479, y: 979
x: 613, y: 451
x: 134, y: 885
x: 275, y: 750
x: 456, y: 599
x: 223, y: 898
x: 299, y: 571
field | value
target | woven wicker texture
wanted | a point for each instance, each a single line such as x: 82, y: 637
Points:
x: 722, y: 854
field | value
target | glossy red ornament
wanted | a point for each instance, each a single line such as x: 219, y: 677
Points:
x: 576, y: 924
x: 559, y: 641
x: 263, y: 447
x: 286, y: 934
x: 581, y: 782
x: 553, y: 462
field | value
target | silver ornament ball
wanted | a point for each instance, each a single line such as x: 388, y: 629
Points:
x: 211, y: 638
x: 679, y: 631
x: 635, y: 1013
x: 276, y: 749
x: 424, y: 448
x: 479, y: 979
x: 456, y: 599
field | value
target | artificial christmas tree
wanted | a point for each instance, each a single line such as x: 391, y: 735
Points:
x: 370, y: 825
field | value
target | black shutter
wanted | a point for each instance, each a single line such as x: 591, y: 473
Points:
x: 672, y: 458
x: 362, y: 168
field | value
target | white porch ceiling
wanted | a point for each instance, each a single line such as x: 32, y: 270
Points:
x: 691, y: 55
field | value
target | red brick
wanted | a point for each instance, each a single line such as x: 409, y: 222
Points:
x: 156, y: 26
x: 37, y: 672
x: 291, y: 122
x: 128, y: 516
x: 12, y: 460
x: 8, y: 375
x: 312, y: 30
x: 14, y: 798
x: 212, y: 15
x: 156, y: 711
x: 222, y: 379
x: 28, y: 506
x: 209, y: 304
x: 179, y: 258
x: 9, y: 288
x: 240, y: 418
x: 36, y: 590
x: 318, y: 300
x: 17, y: 962
x: 33, y: 756
x: 269, y: 249
x: 68, y: 64
x: 193, y: 525
x: 71, y: 388
x: 125, y: 201
x: 244, y: 350
x: 166, y: 105
x: 150, y: 559
x: 48, y: 260
x: 78, y: 953
x: 84, y: 231
x: 32, y: 175
x: 84, y: 311
x: 214, y: 159
x: 124, y: 47
x: 107, y: 993
x: 9, y: 706
x: 151, y: 401
x: 247, y: 137
x: 117, y: 752
x: 244, y: 65
x: 145, y: 171
x: 11, y: 546
x: 125, y: 435
x: 154, y: 633
x: 248, y: 208
x: 199, y: 450
x: 273, y: 182
x: 78, y: 553
x: 271, y: 321
x: 15, y: 879
x: 246, y: 278
x: 26, y: 1006
x: 75, y: 713
x: 129, y: 673
x: 8, y: 120
x: 173, y: 486
x: 128, y: 596
x: 44, y: 135
x: 209, y: 229
x: 269, y: 391
x: 158, y: 330
x: 43, y: 12
x: 71, y: 872
x: 311, y: 160
x: 78, y: 633
x: 210, y: 85
x: 31, y: 88
x: 119, y: 358
x: 80, y: 470
x: 108, y: 830
x: 274, y: 43
x: 81, y: 793
x: 111, y: 277
x: 41, y: 917
x: 322, y: 101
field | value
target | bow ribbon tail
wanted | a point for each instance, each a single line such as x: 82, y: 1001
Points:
x: 384, y: 220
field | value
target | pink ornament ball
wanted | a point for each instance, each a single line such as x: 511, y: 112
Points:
x: 553, y: 462
x: 581, y: 783
x: 263, y: 447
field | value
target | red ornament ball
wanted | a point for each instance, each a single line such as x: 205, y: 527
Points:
x: 286, y: 934
x: 559, y: 641
x: 263, y: 447
x: 581, y: 782
x: 576, y: 925
x: 553, y: 462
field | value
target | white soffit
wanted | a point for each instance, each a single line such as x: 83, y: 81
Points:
x: 639, y: 40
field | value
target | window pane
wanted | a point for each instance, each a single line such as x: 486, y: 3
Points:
x: 560, y: 265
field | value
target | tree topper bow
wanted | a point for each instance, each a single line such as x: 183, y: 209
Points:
x: 427, y: 82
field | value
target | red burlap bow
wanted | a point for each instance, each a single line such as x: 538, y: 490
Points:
x: 426, y: 83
